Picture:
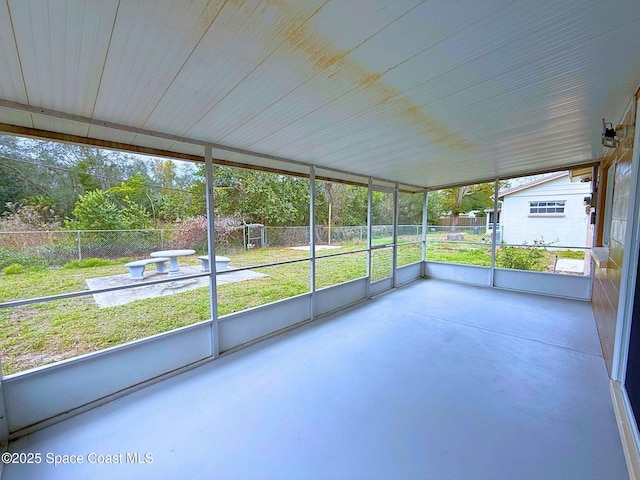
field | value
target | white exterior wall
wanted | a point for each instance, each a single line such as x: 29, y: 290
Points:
x: 570, y: 229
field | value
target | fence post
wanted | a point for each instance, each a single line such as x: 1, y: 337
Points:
x: 162, y: 239
x: 79, y: 245
x: 244, y: 237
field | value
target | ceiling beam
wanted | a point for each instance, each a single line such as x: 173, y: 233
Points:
x: 66, y: 138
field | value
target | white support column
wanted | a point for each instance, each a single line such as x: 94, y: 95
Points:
x: 494, y: 237
x: 424, y: 228
x: 211, y: 238
x: 312, y: 241
x: 4, y: 422
x: 369, y: 231
x: 394, y: 237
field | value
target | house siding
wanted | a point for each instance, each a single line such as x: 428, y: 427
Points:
x: 570, y: 229
x: 606, y: 284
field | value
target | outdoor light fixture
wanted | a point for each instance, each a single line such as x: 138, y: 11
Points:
x: 609, y: 135
x: 612, y: 137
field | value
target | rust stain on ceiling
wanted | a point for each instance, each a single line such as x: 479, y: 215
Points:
x: 289, y: 27
x: 369, y: 87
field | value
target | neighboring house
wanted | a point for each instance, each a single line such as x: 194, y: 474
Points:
x: 551, y: 208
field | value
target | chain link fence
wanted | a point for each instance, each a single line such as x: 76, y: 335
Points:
x: 292, y: 236
x: 59, y: 247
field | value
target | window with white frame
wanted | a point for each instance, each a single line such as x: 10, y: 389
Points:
x: 547, y: 207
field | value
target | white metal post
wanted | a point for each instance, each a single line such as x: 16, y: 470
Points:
x: 494, y: 237
x: 424, y: 229
x: 4, y: 422
x: 369, y: 232
x: 312, y: 240
x: 211, y: 241
x: 394, y: 237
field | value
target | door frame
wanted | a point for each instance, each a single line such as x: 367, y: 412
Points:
x: 387, y: 283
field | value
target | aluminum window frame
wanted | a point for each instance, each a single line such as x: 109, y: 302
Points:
x: 547, y: 206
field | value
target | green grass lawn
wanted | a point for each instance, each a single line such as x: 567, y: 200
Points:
x: 43, y: 333
x: 475, y: 250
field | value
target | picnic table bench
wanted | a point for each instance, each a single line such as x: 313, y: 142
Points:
x: 136, y: 269
x: 174, y: 268
x: 222, y: 263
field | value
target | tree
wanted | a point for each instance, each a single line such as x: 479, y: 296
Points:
x: 182, y: 194
x: 462, y: 199
x: 410, y: 208
x: 435, y: 209
x: 165, y: 173
x: 354, y: 206
x: 19, y: 177
x: 135, y: 188
x: 262, y: 197
x: 175, y: 205
x: 95, y: 210
x: 60, y: 172
x: 13, y: 188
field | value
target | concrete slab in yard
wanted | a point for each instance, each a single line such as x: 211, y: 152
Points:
x: 570, y: 265
x: 122, y: 297
x: 306, y: 248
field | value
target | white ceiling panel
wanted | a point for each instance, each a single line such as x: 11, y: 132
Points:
x: 420, y: 92
x: 240, y: 38
x: 151, y: 42
x: 62, y: 47
x: 303, y: 56
x: 11, y: 81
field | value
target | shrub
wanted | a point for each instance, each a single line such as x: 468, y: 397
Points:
x: 88, y: 263
x: 25, y: 218
x: 26, y: 259
x: 13, y: 269
x: 193, y: 232
x: 528, y: 257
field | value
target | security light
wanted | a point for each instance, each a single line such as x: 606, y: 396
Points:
x: 609, y: 135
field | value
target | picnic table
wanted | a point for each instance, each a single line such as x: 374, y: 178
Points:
x: 172, y: 255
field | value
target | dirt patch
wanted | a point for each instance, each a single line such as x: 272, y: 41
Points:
x: 20, y: 314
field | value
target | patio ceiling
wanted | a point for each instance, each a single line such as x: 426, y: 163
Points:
x: 423, y: 93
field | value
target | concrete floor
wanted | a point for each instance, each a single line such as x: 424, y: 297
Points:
x: 432, y: 381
